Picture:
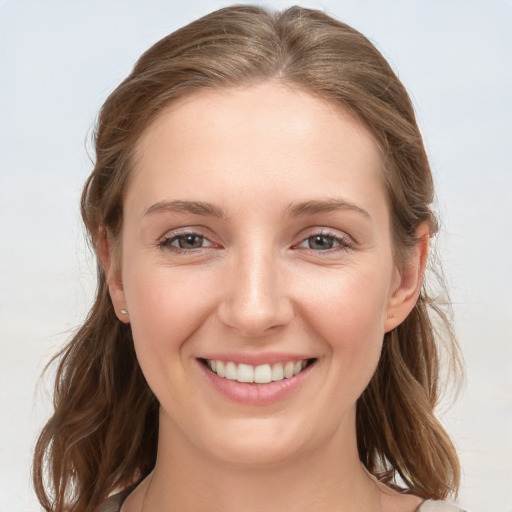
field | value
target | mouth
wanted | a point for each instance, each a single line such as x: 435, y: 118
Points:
x: 261, y: 374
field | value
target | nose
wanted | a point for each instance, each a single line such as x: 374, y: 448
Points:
x: 255, y: 299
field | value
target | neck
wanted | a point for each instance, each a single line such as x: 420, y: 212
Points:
x: 326, y: 478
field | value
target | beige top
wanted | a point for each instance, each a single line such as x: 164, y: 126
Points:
x: 113, y: 504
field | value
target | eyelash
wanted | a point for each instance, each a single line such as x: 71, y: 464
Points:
x: 166, y: 243
x: 344, y: 242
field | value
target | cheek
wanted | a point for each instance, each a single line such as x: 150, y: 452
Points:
x: 166, y: 299
x: 348, y: 313
x: 353, y: 303
x: 166, y: 307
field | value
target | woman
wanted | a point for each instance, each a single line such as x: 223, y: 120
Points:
x: 262, y: 337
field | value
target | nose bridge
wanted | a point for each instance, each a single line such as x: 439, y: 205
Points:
x: 255, y: 299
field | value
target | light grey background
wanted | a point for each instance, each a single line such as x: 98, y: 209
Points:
x: 58, y: 62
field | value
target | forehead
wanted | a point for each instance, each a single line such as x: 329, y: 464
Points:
x: 260, y: 138
x: 266, y: 108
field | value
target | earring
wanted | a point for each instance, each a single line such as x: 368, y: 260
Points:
x: 124, y: 312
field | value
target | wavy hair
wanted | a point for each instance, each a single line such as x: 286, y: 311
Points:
x: 102, y: 436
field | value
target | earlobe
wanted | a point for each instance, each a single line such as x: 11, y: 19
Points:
x: 110, y: 264
x: 410, y: 278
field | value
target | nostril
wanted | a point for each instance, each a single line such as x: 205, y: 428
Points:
x: 252, y: 321
x: 253, y: 302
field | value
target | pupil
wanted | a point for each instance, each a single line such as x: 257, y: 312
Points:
x: 320, y: 242
x: 190, y: 242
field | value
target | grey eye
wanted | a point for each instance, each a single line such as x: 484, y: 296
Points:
x: 190, y: 241
x: 321, y: 242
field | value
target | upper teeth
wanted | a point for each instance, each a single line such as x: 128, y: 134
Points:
x: 262, y: 374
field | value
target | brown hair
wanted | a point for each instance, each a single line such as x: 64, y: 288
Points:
x: 103, y: 433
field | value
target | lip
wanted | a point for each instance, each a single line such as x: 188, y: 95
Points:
x: 256, y: 359
x: 255, y: 394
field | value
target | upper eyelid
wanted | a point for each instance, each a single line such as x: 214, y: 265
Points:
x: 345, y: 242
x: 177, y: 234
x: 325, y: 231
x: 202, y: 231
x: 194, y: 230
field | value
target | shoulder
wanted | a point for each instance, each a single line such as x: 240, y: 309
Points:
x: 439, y: 506
x: 113, y: 504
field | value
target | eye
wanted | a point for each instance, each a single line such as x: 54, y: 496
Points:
x: 325, y: 242
x: 188, y: 241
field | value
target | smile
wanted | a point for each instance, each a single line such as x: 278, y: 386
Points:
x: 261, y: 374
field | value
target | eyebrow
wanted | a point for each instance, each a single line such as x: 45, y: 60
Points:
x: 312, y: 207
x: 322, y: 206
x: 195, y: 207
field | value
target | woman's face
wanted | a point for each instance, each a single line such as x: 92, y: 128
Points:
x: 255, y: 245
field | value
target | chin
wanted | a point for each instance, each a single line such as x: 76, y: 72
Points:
x: 258, y: 455
x: 258, y: 443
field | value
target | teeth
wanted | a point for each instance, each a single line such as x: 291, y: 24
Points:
x: 245, y: 373
x: 288, y: 370
x: 221, y: 371
x: 231, y: 373
x: 261, y: 374
x: 277, y: 372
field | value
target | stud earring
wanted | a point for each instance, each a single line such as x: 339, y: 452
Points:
x: 124, y: 312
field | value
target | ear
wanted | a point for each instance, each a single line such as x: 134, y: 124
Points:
x: 409, y: 278
x: 109, y: 260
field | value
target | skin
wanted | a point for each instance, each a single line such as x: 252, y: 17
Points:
x: 259, y: 286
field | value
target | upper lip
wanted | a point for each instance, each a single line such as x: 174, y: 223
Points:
x: 257, y: 359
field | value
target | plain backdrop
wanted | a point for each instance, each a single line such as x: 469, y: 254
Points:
x: 58, y: 62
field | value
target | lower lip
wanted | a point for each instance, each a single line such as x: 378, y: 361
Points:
x: 255, y: 394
